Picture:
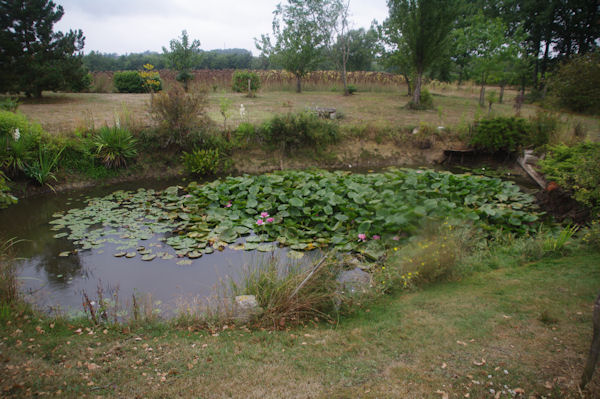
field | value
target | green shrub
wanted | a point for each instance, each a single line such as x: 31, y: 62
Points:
x: 576, y: 169
x: 205, y: 162
x: 543, y: 126
x: 245, y: 134
x: 9, y: 104
x: 506, y: 134
x: 295, y: 131
x: 114, y: 146
x: 576, y: 84
x: 240, y: 81
x: 591, y: 235
x: 179, y: 114
x: 84, y: 84
x: 137, y: 82
x: 19, y: 140
x: 352, y: 89
x: 426, y: 102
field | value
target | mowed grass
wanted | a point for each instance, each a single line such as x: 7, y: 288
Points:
x: 525, y: 329
x: 454, y: 107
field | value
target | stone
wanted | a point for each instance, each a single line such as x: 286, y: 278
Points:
x: 355, y: 280
x: 245, y: 308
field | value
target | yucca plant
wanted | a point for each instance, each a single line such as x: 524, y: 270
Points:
x: 42, y: 169
x: 114, y: 146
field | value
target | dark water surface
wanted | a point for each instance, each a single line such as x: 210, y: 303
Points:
x: 56, y: 283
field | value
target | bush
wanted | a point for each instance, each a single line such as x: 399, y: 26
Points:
x: 576, y: 169
x: 576, y: 84
x: 19, y: 140
x: 352, y: 89
x: 426, y: 102
x: 506, y: 134
x: 240, y: 81
x: 137, y: 82
x: 245, y: 134
x: 205, y: 162
x: 114, y: 146
x: 543, y: 127
x: 42, y: 168
x: 179, y: 114
x: 9, y: 104
x: 295, y: 131
x: 84, y: 84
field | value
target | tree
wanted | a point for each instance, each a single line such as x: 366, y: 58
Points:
x: 33, y: 57
x: 301, y: 29
x: 424, y: 26
x: 182, y: 56
x: 363, y: 47
x: 339, y: 42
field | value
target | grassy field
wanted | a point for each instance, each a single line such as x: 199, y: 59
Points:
x: 454, y: 107
x: 495, y: 334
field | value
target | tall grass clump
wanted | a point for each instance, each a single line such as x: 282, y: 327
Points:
x: 42, y: 169
x: 179, y: 114
x: 291, y: 294
x: 114, y: 146
x: 295, y: 131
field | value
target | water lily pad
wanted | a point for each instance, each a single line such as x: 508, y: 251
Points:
x: 266, y: 248
x: 148, y: 257
x: 61, y: 235
x: 238, y: 247
x: 194, y: 254
x: 64, y: 254
x: 167, y: 256
x: 184, y: 262
x: 119, y: 254
x: 250, y: 246
x: 130, y: 254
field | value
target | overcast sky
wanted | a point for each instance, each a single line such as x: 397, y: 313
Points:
x: 132, y: 26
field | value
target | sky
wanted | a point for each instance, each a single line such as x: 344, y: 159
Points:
x: 133, y: 26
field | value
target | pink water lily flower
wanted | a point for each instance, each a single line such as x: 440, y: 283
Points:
x: 264, y: 215
x: 376, y: 237
x: 270, y: 220
x: 395, y: 238
x: 362, y: 237
x: 187, y: 196
x: 228, y: 205
x: 260, y: 222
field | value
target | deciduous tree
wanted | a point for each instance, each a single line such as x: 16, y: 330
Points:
x: 181, y: 57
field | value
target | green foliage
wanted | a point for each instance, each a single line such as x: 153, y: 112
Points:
x: 591, y: 235
x: 179, y: 114
x: 425, y: 103
x: 556, y: 244
x: 543, y: 127
x: 576, y: 84
x: 296, y: 131
x: 289, y: 294
x: 9, y: 104
x: 352, y: 89
x: 205, y: 162
x: 310, y: 209
x: 114, y: 146
x: 84, y: 84
x: 301, y: 29
x: 182, y: 56
x: 240, y: 81
x: 576, y: 169
x: 501, y: 134
x: 151, y: 79
x: 19, y: 140
x: 6, y: 198
x: 129, y: 82
x: 34, y: 57
x: 245, y: 134
x: 42, y: 169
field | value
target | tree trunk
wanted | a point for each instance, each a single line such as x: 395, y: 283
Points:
x: 501, y: 98
x: 482, y: 95
x: 408, y: 86
x: 298, y: 84
x: 592, y: 359
x: 416, y: 95
x: 344, y: 79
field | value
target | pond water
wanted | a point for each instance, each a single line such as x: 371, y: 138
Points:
x: 54, y: 272
x: 56, y: 283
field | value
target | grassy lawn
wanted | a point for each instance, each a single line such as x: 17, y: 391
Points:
x: 525, y: 329
x: 454, y: 107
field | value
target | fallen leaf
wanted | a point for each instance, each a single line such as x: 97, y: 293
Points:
x: 444, y: 365
x: 461, y: 343
x: 519, y: 391
x: 467, y: 395
x: 476, y: 363
x: 444, y: 394
x: 548, y: 385
x: 92, y: 366
x: 497, y: 396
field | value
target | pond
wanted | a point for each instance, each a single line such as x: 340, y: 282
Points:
x: 181, y: 243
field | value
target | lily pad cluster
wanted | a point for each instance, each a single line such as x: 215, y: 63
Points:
x: 303, y: 210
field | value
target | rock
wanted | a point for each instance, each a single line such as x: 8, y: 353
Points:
x: 355, y: 280
x: 245, y: 308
